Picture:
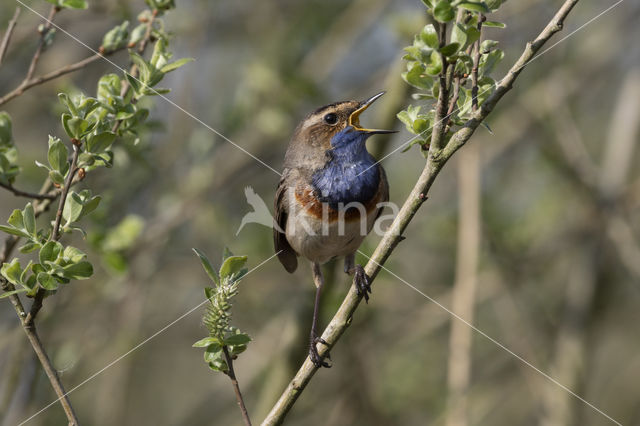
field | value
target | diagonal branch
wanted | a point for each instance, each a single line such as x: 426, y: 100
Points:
x: 435, y: 161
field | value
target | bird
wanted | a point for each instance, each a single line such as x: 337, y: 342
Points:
x: 329, y: 195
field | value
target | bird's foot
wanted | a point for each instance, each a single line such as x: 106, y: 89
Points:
x: 315, y: 357
x: 362, y: 281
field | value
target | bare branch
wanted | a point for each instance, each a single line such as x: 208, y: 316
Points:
x: 35, y: 81
x: 43, y: 34
x: 35, y: 196
x: 232, y: 375
x: 7, y: 36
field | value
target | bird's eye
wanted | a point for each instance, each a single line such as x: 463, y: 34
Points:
x: 331, y: 118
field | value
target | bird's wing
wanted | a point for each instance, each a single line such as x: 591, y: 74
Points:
x: 286, y: 254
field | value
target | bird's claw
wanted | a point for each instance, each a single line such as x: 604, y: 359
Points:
x: 362, y: 281
x: 314, y: 356
x: 324, y: 342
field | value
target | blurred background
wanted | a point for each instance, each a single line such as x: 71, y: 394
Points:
x: 531, y: 232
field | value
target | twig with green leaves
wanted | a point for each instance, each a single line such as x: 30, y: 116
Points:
x: 224, y: 342
x: 433, y: 64
x: 93, y: 125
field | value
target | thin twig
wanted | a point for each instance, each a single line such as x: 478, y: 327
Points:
x: 7, y: 36
x: 35, y: 196
x: 236, y: 387
x: 454, y: 97
x: 476, y: 63
x: 435, y: 161
x: 41, y: 44
x: 35, y: 81
x: 147, y: 34
x: 437, y: 135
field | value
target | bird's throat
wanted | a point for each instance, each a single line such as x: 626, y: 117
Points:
x: 350, y: 175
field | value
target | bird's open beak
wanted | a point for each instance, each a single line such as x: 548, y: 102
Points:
x: 354, y: 117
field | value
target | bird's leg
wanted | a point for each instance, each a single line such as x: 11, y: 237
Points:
x: 361, y: 279
x: 314, y: 338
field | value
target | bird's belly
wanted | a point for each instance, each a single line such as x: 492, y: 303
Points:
x: 320, y: 240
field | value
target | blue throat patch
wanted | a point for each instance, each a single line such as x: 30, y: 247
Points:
x: 348, y: 175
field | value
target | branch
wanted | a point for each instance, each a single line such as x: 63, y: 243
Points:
x: 35, y: 196
x: 476, y: 63
x: 236, y: 387
x: 435, y: 161
x: 55, y: 233
x: 43, y: 34
x: 36, y: 81
x: 7, y: 36
x: 439, y: 126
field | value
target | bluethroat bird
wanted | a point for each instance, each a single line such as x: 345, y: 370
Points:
x: 329, y: 196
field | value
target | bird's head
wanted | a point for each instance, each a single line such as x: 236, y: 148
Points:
x: 333, y: 125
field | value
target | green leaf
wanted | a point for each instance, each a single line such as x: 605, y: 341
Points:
x: 14, y: 231
x: 100, y: 142
x: 78, y: 271
x: 75, y: 127
x: 475, y: 6
x: 459, y: 35
x: 487, y: 45
x: 47, y: 281
x: 12, y: 271
x: 66, y: 100
x: 56, y: 177
x: 136, y: 85
x: 138, y: 33
x: 90, y: 205
x: 429, y: 36
x: 73, y: 254
x: 50, y: 252
x: 16, y: 219
x: 30, y: 247
x: 232, y: 266
x: 57, y: 155
x: 209, y: 292
x: 175, y: 65
x: 494, y: 24
x: 12, y: 292
x: 72, y: 207
x: 116, y: 37
x: 203, y: 343
x: 450, y: 49
x: 29, y: 218
x: 435, y: 66
x: 237, y: 339
x: 72, y: 4
x: 472, y: 35
x: 443, y: 12
x: 206, y: 264
x: 5, y: 129
x: 216, y: 361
